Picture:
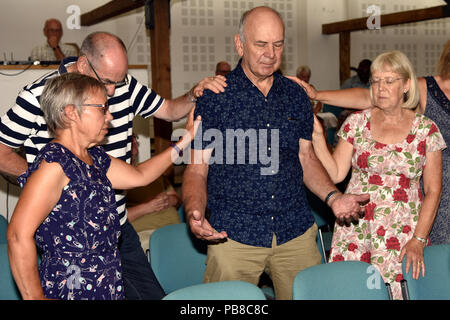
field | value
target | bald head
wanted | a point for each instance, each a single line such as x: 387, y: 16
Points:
x: 105, y: 54
x: 53, y: 28
x: 223, y: 68
x: 257, y: 14
x: 52, y: 22
x: 97, y: 45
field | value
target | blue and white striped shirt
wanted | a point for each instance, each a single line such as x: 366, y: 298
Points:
x: 24, y: 123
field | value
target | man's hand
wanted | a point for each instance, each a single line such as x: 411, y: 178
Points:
x: 163, y: 201
x: 201, y: 228
x: 349, y: 207
x: 53, y: 41
x: 310, y: 90
x: 216, y: 84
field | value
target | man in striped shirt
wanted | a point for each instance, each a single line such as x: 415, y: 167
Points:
x: 102, y: 56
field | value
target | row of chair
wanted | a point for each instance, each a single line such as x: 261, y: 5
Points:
x: 178, y: 261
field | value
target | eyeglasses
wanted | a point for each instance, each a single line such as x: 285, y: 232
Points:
x: 107, y: 82
x: 105, y: 106
x: 387, y: 81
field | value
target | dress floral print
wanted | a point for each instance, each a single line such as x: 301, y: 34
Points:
x: 391, y: 174
x: 79, y: 238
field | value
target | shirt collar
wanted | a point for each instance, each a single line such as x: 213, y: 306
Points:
x: 244, y: 80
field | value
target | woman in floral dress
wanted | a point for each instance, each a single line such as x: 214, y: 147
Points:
x: 389, y: 148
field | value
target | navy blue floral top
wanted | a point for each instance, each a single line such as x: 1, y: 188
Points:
x: 255, y: 179
x: 79, y: 237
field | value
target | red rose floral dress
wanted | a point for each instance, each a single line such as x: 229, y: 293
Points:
x: 391, y: 175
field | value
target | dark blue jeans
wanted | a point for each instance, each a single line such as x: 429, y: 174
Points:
x: 138, y: 278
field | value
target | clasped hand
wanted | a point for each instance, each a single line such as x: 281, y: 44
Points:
x: 349, y: 208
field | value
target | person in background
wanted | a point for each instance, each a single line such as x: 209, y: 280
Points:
x: 304, y: 73
x: 389, y: 148
x: 361, y: 79
x: 434, y: 103
x: 223, y: 68
x: 53, y: 49
x: 67, y: 206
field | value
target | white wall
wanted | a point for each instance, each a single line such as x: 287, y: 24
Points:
x: 323, y: 50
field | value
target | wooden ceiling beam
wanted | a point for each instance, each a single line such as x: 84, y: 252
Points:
x: 388, y: 19
x: 109, y: 10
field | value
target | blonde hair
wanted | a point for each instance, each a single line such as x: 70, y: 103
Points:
x: 398, y: 62
x: 443, y: 68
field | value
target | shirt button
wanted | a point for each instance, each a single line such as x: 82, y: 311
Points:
x: 265, y: 99
x: 268, y: 125
x: 273, y: 196
x: 271, y: 218
x: 269, y: 149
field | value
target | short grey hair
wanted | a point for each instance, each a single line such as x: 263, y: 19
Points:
x: 244, y: 19
x: 67, y: 89
x: 94, y: 44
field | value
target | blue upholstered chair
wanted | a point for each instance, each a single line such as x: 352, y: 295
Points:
x: 8, y: 289
x: 320, y: 221
x: 345, y: 280
x: 3, y: 228
x: 436, y: 283
x: 177, y: 257
x: 224, y: 290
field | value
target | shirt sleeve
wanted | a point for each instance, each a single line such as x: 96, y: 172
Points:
x: 19, y: 122
x: 352, y: 127
x: 434, y: 141
x: 307, y: 115
x: 144, y: 100
x: 207, y: 108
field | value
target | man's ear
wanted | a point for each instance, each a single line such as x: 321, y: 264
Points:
x: 83, y: 65
x: 239, y: 45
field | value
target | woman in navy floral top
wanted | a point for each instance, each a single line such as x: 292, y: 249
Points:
x: 67, y: 206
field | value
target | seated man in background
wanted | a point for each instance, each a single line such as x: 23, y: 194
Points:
x: 53, y: 50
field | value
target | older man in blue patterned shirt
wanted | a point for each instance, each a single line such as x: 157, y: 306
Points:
x: 249, y: 163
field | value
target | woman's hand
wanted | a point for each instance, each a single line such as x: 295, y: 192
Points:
x: 413, y: 250
x: 190, y: 128
x: 310, y: 90
x: 318, y: 128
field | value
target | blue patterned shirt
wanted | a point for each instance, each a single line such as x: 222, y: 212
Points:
x: 255, y: 179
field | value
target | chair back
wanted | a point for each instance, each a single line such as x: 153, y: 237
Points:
x: 224, y: 290
x: 436, y: 283
x: 177, y: 257
x: 181, y: 214
x: 3, y: 228
x: 344, y: 280
x: 8, y: 288
x: 320, y: 221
